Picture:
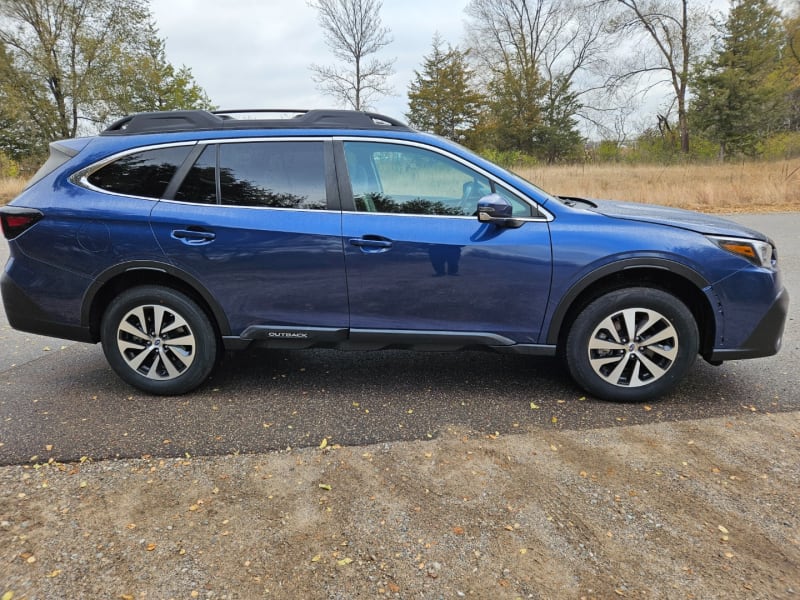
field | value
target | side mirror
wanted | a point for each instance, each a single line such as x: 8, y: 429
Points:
x: 497, y: 210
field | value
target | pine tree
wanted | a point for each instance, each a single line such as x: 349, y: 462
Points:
x: 441, y: 99
x: 740, y: 91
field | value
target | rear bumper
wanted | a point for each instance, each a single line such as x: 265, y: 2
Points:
x: 23, y: 314
x: 766, y: 338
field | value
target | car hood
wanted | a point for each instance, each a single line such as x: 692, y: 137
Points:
x: 673, y: 217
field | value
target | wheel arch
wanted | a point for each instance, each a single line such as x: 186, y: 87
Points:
x: 671, y: 277
x: 122, y: 277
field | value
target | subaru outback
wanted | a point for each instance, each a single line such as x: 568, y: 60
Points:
x: 173, y: 237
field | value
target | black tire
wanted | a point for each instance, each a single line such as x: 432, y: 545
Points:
x: 159, y: 340
x: 614, y: 364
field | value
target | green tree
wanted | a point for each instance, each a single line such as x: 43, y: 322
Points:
x: 442, y: 99
x: 64, y: 64
x: 514, y: 112
x: 557, y: 137
x: 149, y: 82
x: 741, y: 90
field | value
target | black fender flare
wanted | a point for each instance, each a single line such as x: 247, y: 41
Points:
x: 156, y: 267
x: 567, y: 300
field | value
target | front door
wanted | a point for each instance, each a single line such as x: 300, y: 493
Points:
x: 418, y: 260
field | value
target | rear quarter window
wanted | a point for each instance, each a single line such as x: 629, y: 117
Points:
x: 144, y: 174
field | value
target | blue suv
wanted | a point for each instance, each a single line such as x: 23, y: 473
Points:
x: 172, y: 237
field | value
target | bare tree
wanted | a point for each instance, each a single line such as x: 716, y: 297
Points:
x: 556, y: 44
x: 665, y: 38
x: 353, y: 31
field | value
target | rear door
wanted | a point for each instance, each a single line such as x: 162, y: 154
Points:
x: 258, y: 224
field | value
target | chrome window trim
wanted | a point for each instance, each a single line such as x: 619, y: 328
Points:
x: 310, y: 210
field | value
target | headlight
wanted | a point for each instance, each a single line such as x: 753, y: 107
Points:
x: 761, y: 254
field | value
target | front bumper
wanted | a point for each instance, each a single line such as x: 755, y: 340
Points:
x: 765, y: 339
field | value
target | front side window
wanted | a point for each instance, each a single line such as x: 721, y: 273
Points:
x: 277, y: 174
x: 394, y: 178
x: 144, y: 174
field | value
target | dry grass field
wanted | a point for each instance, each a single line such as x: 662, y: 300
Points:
x: 10, y: 187
x: 742, y: 187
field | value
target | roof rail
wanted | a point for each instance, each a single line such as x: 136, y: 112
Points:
x: 201, y: 120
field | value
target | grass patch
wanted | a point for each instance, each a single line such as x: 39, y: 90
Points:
x: 10, y: 187
x: 742, y: 187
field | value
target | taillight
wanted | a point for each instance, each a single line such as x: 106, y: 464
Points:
x: 16, y: 220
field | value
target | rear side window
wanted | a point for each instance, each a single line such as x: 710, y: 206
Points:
x: 144, y: 174
x: 273, y: 174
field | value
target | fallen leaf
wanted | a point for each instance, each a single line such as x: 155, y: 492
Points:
x: 394, y: 588
x: 54, y: 573
x: 553, y: 448
x: 458, y: 530
x: 7, y: 596
x: 151, y: 547
x: 323, y: 443
x: 722, y: 529
x: 316, y: 558
x: 344, y: 562
x: 554, y: 420
x: 48, y: 447
x: 534, y: 406
x: 325, y: 487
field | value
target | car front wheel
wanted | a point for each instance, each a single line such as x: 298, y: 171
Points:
x: 158, y: 340
x: 632, y: 345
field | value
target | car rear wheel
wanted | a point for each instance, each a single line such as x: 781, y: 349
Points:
x: 159, y: 340
x: 632, y: 345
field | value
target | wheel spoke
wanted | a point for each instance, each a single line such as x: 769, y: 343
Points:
x: 125, y: 345
x: 654, y: 369
x: 667, y: 334
x: 171, y: 370
x: 669, y: 353
x: 177, y: 323
x: 601, y: 344
x: 137, y: 360
x: 158, y: 319
x: 127, y: 327
x: 629, y: 317
x: 616, y: 375
x: 608, y: 326
x: 186, y: 340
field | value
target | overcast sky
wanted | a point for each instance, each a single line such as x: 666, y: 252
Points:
x: 256, y: 53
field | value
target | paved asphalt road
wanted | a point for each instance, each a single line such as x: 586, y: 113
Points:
x: 60, y: 400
